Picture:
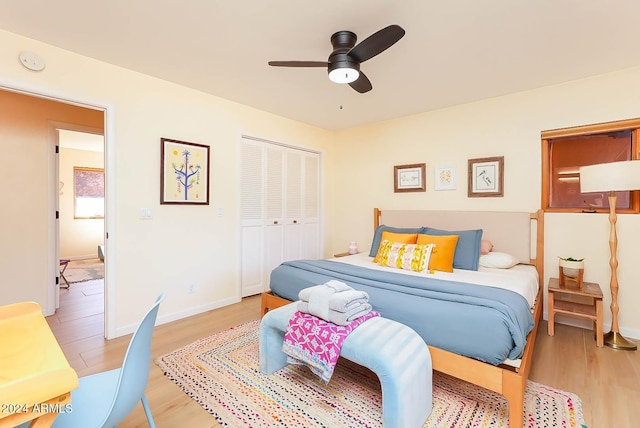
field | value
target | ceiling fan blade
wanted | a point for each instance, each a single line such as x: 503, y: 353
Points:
x: 299, y: 63
x: 376, y: 43
x: 361, y: 84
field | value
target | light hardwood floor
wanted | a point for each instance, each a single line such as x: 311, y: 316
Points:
x: 607, y: 381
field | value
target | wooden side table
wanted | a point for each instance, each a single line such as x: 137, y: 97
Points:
x: 345, y: 254
x: 569, y: 299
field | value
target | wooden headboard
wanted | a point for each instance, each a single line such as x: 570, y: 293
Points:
x: 520, y: 234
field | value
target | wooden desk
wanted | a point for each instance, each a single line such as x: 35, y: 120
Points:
x: 35, y: 377
x: 569, y: 299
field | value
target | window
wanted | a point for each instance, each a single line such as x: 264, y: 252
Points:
x: 88, y: 192
x: 564, y: 151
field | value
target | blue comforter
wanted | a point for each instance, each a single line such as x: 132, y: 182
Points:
x: 485, y: 323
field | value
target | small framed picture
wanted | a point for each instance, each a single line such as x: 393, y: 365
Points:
x: 486, y: 177
x: 445, y: 178
x: 409, y: 178
x: 184, y: 173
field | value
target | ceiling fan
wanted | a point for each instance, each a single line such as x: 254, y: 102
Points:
x: 344, y: 62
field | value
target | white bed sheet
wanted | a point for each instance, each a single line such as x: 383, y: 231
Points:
x: 523, y: 279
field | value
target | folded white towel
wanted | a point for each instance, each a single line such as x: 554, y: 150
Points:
x: 341, y: 302
x: 345, y: 301
x: 339, y: 318
x: 319, y: 301
x: 337, y: 285
x: 306, y: 292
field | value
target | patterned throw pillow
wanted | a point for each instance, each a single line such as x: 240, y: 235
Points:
x: 403, y: 238
x: 413, y: 257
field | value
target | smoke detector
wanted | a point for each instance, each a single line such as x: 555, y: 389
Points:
x: 31, y: 61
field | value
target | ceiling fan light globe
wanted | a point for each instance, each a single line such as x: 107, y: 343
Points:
x: 344, y: 75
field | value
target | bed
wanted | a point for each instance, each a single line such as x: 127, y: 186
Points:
x: 508, y: 326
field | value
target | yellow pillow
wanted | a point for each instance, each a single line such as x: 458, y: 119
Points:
x: 405, y: 256
x: 403, y: 238
x: 443, y: 251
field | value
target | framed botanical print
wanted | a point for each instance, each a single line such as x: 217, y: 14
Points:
x: 486, y: 177
x: 184, y: 173
x: 409, y: 178
x: 445, y: 178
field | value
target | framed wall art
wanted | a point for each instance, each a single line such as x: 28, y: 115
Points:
x: 486, y: 177
x: 445, y: 178
x: 409, y: 178
x: 184, y: 173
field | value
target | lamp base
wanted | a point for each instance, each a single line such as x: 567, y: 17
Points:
x: 615, y: 340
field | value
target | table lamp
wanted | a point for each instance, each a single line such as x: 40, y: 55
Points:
x: 612, y: 177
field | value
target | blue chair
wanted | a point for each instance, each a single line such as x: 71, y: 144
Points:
x: 104, y: 399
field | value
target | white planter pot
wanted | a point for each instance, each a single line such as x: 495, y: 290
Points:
x: 570, y: 268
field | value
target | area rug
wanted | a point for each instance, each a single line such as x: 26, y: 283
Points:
x: 222, y: 373
x: 84, y: 270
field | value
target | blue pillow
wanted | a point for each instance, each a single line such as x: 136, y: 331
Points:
x: 377, y: 236
x: 467, y: 254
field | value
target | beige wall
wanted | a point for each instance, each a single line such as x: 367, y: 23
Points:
x: 181, y: 245
x: 507, y: 126
x: 24, y: 237
x: 79, y: 238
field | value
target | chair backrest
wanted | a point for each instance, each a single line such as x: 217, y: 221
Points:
x: 135, y: 369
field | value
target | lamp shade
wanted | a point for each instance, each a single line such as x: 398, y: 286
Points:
x: 610, y: 177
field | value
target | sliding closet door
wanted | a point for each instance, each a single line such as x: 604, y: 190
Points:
x: 310, y: 221
x: 293, y: 205
x: 287, y: 184
x: 274, y: 220
x: 252, y: 214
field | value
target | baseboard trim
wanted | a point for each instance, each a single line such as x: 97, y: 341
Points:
x: 174, y: 316
x: 629, y: 333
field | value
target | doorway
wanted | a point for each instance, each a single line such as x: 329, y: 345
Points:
x: 28, y: 133
x: 81, y: 208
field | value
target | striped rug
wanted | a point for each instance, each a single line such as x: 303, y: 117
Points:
x: 221, y: 372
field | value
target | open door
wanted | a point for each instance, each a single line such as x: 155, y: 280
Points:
x: 80, y: 228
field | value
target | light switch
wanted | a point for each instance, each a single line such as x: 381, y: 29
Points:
x: 146, y: 214
x: 220, y: 212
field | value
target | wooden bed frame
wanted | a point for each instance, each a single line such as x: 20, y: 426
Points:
x: 504, y: 379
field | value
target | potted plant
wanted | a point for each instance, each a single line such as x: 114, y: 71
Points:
x: 572, y: 269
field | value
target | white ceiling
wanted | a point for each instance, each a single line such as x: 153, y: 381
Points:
x: 454, y: 51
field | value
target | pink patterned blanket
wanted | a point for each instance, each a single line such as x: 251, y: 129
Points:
x: 317, y: 343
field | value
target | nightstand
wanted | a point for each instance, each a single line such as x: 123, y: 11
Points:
x: 346, y: 253
x: 570, y: 299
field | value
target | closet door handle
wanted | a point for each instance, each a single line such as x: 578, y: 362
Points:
x: 275, y: 221
x: 295, y: 221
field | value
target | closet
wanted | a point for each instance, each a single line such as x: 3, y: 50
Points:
x: 280, y: 209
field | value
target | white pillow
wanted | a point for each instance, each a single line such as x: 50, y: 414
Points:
x: 498, y: 260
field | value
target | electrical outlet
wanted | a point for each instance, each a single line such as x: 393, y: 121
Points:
x: 191, y: 288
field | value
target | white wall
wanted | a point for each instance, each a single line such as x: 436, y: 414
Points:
x: 508, y: 126
x: 181, y: 244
